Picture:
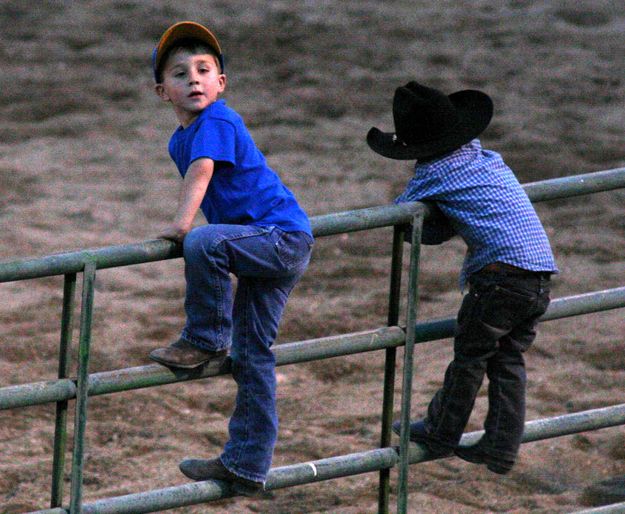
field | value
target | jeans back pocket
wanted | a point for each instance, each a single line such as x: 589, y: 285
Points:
x: 294, y: 249
x: 503, y: 308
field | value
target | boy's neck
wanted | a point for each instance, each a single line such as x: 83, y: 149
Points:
x: 435, y: 157
x: 186, y: 121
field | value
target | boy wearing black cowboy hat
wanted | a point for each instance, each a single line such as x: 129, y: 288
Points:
x: 507, y: 266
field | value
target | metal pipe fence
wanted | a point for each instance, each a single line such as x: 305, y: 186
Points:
x: 402, y: 217
x: 116, y: 381
x: 341, y: 466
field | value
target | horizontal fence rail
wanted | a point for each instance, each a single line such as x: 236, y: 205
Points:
x: 403, y: 217
x: 159, y: 249
x: 324, y: 225
x: 126, y: 379
x: 341, y: 466
x: 617, y: 508
x: 575, y: 185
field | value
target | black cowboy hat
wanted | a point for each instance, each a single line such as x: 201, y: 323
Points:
x: 428, y: 122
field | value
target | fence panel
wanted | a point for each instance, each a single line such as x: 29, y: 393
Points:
x: 402, y: 217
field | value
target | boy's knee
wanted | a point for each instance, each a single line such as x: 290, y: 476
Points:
x: 191, y: 243
x: 198, y: 242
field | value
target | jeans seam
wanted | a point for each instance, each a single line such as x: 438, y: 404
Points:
x: 497, y: 411
x: 444, y: 406
x: 220, y: 310
x: 245, y: 388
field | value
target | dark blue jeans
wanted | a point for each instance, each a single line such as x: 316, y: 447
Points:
x: 267, y: 262
x: 496, y: 324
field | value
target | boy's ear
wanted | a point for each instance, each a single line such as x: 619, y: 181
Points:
x: 223, y: 80
x: 161, y: 93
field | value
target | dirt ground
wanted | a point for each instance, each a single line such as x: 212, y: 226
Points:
x: 83, y: 163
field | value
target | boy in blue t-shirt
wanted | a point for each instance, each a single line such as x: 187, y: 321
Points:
x: 507, y: 266
x: 256, y: 230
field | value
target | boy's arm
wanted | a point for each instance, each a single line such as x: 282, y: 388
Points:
x: 436, y: 228
x: 192, y: 193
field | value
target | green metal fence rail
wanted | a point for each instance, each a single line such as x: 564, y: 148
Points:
x: 402, y: 217
x: 617, y: 508
x: 337, y: 467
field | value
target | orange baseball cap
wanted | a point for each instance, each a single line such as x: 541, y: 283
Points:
x: 179, y: 31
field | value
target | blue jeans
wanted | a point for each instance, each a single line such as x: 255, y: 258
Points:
x: 267, y: 262
x: 496, y: 325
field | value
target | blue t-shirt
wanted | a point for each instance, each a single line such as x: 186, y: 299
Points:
x: 243, y: 189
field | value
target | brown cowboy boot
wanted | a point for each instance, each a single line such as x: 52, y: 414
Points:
x: 183, y: 354
x: 213, y: 469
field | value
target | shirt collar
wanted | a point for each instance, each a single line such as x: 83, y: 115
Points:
x: 465, y: 152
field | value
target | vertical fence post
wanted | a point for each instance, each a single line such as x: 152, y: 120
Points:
x: 411, y: 321
x: 60, y: 426
x: 80, y: 419
x: 389, y: 363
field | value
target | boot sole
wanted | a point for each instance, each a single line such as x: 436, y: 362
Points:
x: 236, y: 486
x: 194, y: 365
x: 170, y: 364
x: 479, y: 458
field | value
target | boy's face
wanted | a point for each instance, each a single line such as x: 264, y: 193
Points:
x: 191, y: 82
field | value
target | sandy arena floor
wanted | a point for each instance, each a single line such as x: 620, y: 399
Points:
x: 83, y: 163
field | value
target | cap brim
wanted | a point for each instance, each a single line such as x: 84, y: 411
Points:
x: 180, y: 31
x: 474, y: 109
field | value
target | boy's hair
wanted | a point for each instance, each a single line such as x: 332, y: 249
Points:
x: 194, y: 46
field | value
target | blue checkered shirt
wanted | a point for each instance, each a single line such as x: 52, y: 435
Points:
x: 487, y: 206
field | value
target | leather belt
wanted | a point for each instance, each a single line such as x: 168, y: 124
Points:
x: 509, y: 269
